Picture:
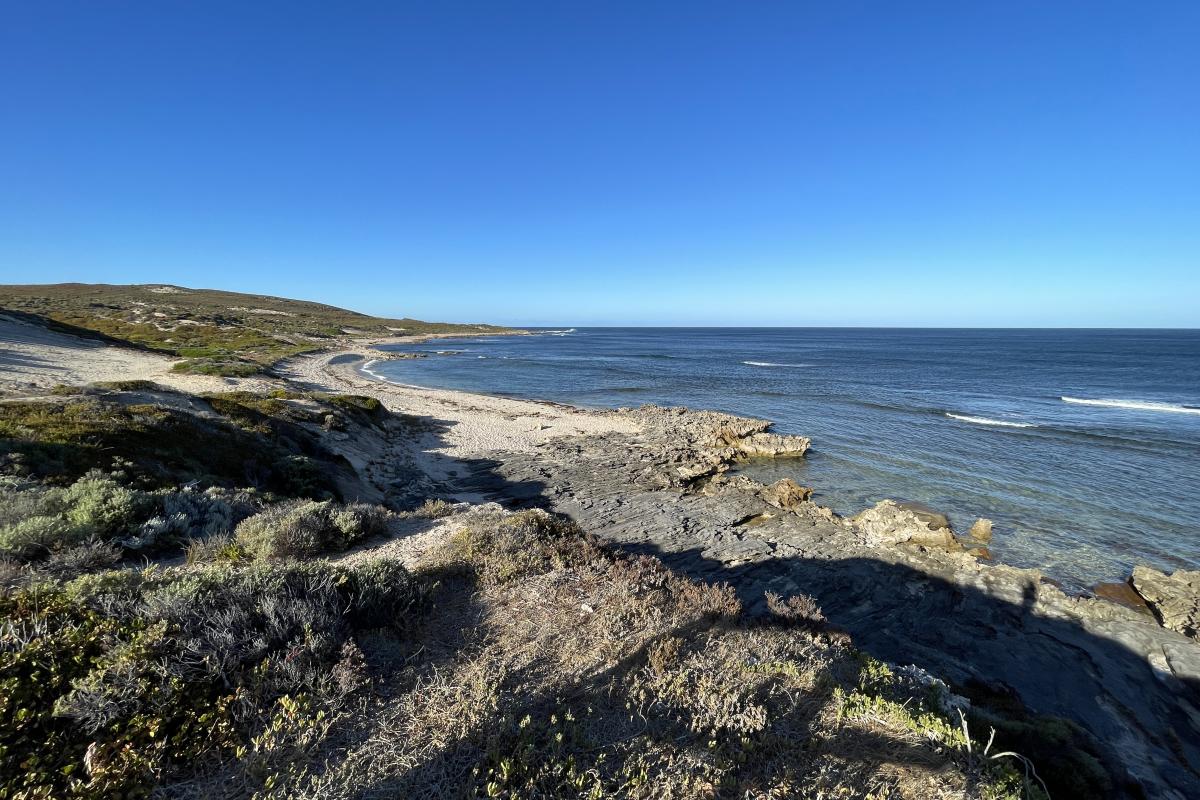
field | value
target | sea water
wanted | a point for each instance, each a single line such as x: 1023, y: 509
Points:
x: 1083, y: 446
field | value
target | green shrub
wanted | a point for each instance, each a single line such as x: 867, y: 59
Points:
x: 288, y: 530
x: 33, y: 521
x: 433, y: 509
x: 61, y: 439
x: 98, y: 503
x: 515, y: 546
x: 220, y: 367
x: 307, y: 528
x: 216, y: 550
x: 122, y: 679
x: 255, y: 411
x: 37, y: 536
x: 382, y: 594
x: 88, y: 523
x: 128, y: 386
x: 366, y: 410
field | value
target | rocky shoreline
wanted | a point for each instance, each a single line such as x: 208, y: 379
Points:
x: 1122, y: 663
x: 896, y: 577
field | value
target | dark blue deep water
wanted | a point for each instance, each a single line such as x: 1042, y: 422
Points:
x: 1082, y: 445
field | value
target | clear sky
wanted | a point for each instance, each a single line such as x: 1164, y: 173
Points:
x: 1015, y: 162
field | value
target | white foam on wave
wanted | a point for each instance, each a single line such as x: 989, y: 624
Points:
x: 988, y: 421
x: 1135, y: 405
x: 366, y: 368
x: 772, y: 364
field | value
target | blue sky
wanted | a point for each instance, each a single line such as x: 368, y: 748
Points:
x: 799, y: 163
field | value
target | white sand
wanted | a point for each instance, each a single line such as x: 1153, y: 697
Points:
x: 33, y: 358
x: 476, y: 424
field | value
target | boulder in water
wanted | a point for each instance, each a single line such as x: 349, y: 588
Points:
x: 891, y: 523
x: 981, y: 531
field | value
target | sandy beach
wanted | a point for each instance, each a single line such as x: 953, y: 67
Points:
x: 35, y: 358
x: 480, y: 423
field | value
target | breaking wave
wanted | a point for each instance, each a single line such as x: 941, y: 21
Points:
x: 366, y: 368
x: 1136, y: 405
x: 772, y: 364
x: 988, y: 421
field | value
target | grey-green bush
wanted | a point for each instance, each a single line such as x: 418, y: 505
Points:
x: 306, y: 528
x: 102, y: 505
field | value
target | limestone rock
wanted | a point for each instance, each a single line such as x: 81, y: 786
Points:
x: 786, y: 494
x: 892, y: 523
x: 1175, y: 599
x: 773, y: 444
x: 750, y: 438
x: 981, y: 531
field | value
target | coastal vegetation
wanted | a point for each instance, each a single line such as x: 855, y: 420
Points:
x: 195, y: 603
x: 213, y: 332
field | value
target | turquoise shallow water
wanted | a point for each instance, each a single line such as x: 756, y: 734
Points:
x: 1083, y: 446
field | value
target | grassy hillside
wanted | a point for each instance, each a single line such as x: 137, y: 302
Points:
x: 215, y: 331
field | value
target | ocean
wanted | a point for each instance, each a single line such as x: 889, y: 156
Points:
x: 1083, y: 446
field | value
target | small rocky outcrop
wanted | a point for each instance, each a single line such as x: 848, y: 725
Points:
x: 786, y: 494
x: 390, y: 355
x: 1174, y: 599
x: 772, y: 445
x: 892, y: 523
x: 751, y: 439
x: 981, y: 530
x: 679, y: 448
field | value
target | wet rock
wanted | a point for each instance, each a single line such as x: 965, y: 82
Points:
x: 892, y: 523
x: 981, y: 531
x: 1122, y: 593
x: 980, y: 552
x: 786, y: 494
x: 1175, y: 599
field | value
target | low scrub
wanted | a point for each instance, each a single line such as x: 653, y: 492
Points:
x: 303, y: 529
x: 220, y: 367
x: 100, y: 514
x: 120, y: 681
x: 561, y: 668
x: 520, y: 658
x: 163, y: 444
